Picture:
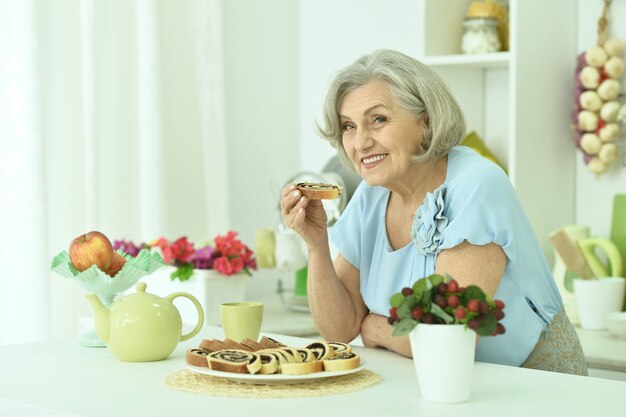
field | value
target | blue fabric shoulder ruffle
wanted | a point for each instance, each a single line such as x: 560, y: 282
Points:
x: 430, y: 222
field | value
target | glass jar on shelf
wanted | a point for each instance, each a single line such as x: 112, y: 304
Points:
x: 498, y: 9
x: 480, y: 35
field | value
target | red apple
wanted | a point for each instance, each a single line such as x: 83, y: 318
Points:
x: 117, y: 262
x: 93, y: 248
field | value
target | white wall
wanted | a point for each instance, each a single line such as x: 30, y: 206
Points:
x: 260, y: 46
x: 332, y: 35
x: 594, y: 195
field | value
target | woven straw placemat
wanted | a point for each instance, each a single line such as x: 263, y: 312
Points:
x: 185, y: 380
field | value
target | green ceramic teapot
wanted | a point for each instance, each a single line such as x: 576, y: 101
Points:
x: 142, y: 327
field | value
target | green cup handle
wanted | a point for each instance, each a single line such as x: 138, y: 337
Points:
x: 616, y: 265
x: 193, y: 299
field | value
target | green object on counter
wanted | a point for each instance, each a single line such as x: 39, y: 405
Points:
x: 142, y: 327
x: 300, y: 287
x: 591, y: 245
x: 618, y: 226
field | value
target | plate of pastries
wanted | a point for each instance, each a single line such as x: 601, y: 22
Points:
x: 269, y: 361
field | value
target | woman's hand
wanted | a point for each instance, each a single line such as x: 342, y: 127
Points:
x: 306, y: 217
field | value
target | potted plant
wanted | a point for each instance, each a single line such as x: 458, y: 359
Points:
x: 442, y: 320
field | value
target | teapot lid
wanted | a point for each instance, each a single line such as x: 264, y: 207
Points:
x: 141, y: 297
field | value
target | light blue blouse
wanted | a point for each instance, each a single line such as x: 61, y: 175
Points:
x: 476, y: 203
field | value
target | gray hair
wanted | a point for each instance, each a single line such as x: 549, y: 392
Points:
x: 416, y: 87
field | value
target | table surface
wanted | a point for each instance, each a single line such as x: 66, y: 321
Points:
x: 64, y: 379
x: 603, y: 350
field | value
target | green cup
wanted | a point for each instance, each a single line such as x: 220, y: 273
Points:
x: 241, y: 320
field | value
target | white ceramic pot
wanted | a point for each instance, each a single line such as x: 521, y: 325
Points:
x: 208, y: 286
x: 595, y: 298
x: 443, y: 355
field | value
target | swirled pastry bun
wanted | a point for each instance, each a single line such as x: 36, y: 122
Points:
x: 319, y: 191
x: 301, y: 368
x: 234, y: 360
x: 342, y: 362
x: 340, y: 347
x: 321, y: 350
x: 197, y: 357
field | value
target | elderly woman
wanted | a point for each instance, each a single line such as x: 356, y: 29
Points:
x: 426, y: 205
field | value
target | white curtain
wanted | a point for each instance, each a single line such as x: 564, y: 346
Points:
x: 111, y: 119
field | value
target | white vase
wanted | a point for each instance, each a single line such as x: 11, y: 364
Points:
x: 443, y: 355
x: 208, y: 286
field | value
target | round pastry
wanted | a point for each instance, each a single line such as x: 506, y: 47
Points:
x: 301, y: 368
x: 319, y: 191
x: 306, y: 354
x: 339, y: 347
x: 234, y: 360
x: 281, y: 356
x: 269, y: 343
x: 292, y: 354
x: 269, y: 363
x: 321, y: 350
x: 254, y: 364
x: 197, y: 357
x: 342, y: 362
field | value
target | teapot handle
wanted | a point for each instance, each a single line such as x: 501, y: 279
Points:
x: 198, y: 309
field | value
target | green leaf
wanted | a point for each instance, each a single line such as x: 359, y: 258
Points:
x: 435, y: 279
x: 487, y: 326
x: 396, y: 299
x: 419, y: 287
x: 426, y: 299
x: 439, y: 312
x: 405, y: 307
x: 473, y: 292
x: 404, y: 327
x: 183, y: 272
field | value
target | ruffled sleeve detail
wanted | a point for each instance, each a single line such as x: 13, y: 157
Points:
x: 430, y: 222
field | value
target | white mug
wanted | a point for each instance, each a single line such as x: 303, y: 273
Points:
x: 597, y: 297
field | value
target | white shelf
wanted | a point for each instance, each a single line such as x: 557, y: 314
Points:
x: 517, y: 101
x: 486, y: 61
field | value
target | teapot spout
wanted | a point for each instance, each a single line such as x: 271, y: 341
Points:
x: 101, y: 316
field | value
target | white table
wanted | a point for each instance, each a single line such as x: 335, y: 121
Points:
x: 63, y: 379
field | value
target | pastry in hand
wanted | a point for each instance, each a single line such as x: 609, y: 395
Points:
x: 319, y: 191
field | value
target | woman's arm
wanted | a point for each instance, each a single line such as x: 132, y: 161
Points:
x: 334, y: 296
x: 468, y: 264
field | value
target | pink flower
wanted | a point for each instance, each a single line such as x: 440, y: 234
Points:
x: 183, y: 250
x: 228, y: 255
x: 223, y: 266
x: 237, y: 264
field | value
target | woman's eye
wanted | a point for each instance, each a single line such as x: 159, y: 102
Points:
x: 347, y: 126
x: 379, y: 119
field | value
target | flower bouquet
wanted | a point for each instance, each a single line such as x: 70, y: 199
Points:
x: 227, y: 255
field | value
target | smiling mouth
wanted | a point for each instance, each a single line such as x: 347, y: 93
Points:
x: 375, y: 158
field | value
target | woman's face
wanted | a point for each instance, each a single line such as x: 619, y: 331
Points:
x: 379, y: 135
